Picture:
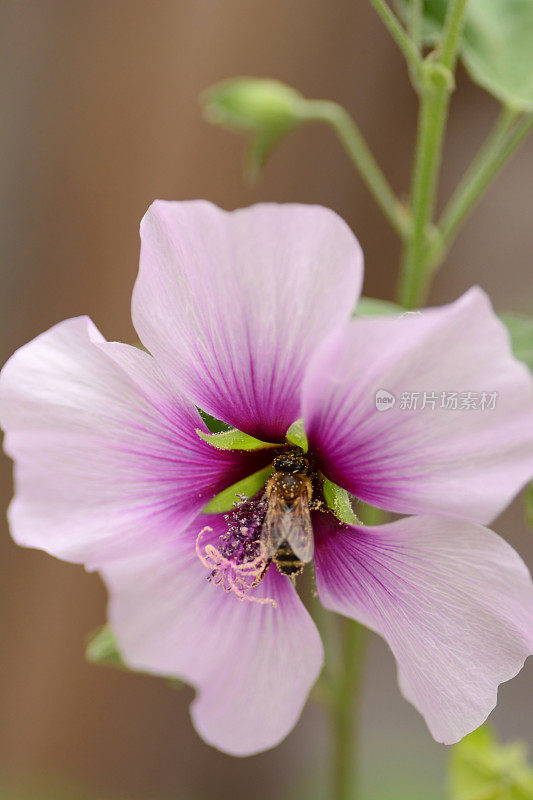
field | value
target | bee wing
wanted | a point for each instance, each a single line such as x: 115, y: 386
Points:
x: 288, y: 523
x: 299, y: 529
x: 272, y: 533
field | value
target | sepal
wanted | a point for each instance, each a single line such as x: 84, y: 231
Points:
x: 233, y: 439
x: 296, y: 435
x: 247, y: 487
x: 372, y: 307
x: 340, y: 502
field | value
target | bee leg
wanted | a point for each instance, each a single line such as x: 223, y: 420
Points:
x: 261, y: 575
x: 316, y: 505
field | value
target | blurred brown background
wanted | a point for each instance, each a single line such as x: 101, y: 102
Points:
x: 99, y: 117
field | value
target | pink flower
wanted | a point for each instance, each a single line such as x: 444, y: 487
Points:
x: 247, y: 316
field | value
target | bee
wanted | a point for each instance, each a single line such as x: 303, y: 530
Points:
x: 287, y: 530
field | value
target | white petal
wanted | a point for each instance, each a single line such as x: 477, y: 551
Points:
x: 107, y: 460
x: 233, y: 304
x: 465, y: 462
x: 451, y: 598
x: 252, y: 665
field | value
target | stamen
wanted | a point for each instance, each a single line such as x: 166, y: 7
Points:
x: 230, y: 565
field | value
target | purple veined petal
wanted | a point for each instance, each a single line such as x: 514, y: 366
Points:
x: 252, y: 665
x: 232, y: 304
x: 452, y: 599
x: 107, y: 460
x: 465, y: 462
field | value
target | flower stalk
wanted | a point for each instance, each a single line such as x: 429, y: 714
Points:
x: 406, y: 44
x: 503, y: 141
x: 437, y: 84
x: 345, y: 699
x: 415, y: 24
x: 345, y: 693
x: 362, y: 158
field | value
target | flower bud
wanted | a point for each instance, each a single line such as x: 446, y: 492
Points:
x: 265, y: 109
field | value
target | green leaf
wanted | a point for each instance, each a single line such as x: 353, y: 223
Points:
x: 370, y: 307
x: 481, y: 768
x: 496, y: 47
x: 296, y: 435
x: 102, y: 648
x: 233, y: 440
x: 248, y: 487
x: 521, y: 329
x: 263, y: 109
x: 340, y: 502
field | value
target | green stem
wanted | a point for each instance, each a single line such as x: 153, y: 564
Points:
x: 415, y: 24
x: 501, y: 144
x: 437, y: 85
x: 404, y: 42
x: 344, y: 689
x: 453, y: 30
x: 362, y: 158
x: 344, y: 711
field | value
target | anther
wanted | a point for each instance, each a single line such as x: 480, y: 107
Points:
x: 238, y: 577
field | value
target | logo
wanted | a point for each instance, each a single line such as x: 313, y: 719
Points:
x: 384, y: 400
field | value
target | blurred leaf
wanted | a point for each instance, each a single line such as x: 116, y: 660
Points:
x: 263, y: 109
x: 102, y: 648
x: 482, y: 769
x: 496, y: 48
x: 521, y: 329
x: 370, y: 307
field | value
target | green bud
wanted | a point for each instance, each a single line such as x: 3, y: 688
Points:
x: 266, y: 110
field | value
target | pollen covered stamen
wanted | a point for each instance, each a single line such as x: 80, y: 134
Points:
x: 237, y: 563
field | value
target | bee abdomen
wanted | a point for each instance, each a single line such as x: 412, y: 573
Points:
x: 287, y: 562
